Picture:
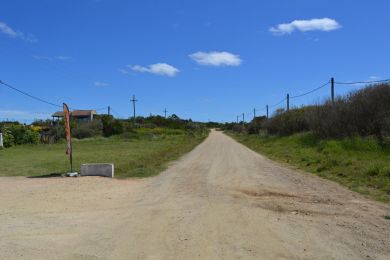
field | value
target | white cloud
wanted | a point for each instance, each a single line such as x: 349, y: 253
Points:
x: 5, y: 29
x: 123, y: 71
x: 101, y: 84
x: 374, y: 78
x: 48, y: 58
x: 64, y: 58
x: 324, y: 24
x: 162, y: 69
x: 215, y: 58
x: 39, y: 57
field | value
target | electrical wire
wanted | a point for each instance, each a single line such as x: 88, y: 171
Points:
x: 41, y: 99
x: 29, y: 95
x: 311, y: 91
x: 261, y: 109
x: 277, y: 104
x: 116, y: 113
x: 362, y: 82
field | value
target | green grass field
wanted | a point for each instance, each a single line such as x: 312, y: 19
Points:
x: 142, y: 154
x: 359, y: 164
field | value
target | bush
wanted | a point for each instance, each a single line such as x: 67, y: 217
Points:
x: 23, y: 135
x: 111, y: 126
x: 287, y: 123
x: 256, y: 124
x: 365, y: 112
x: 87, y: 129
x: 8, y: 138
x: 362, y: 113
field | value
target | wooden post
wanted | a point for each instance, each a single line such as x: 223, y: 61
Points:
x: 288, y: 102
x: 332, y: 89
x: 267, y: 111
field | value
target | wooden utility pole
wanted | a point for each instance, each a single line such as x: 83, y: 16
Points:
x: 254, y: 113
x: 165, y: 113
x: 108, y: 110
x: 243, y: 118
x: 237, y: 119
x: 288, y: 102
x: 332, y: 89
x: 267, y: 111
x: 134, y: 100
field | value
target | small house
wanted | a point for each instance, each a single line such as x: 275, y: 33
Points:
x: 80, y: 115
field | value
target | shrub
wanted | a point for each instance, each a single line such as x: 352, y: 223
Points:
x: 256, y: 124
x: 287, y: 123
x: 111, y: 126
x: 362, y: 113
x: 8, y: 138
x: 24, y: 135
x: 373, y: 170
x: 87, y: 129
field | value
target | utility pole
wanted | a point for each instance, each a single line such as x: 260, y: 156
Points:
x: 237, y: 119
x: 165, y: 113
x: 254, y: 113
x: 288, y: 102
x: 108, y: 110
x: 243, y: 118
x: 267, y: 111
x: 134, y: 100
x: 332, y: 89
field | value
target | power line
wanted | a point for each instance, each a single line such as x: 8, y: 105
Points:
x: 280, y: 102
x: 29, y: 95
x: 261, y: 109
x: 311, y: 91
x: 363, y: 82
x: 40, y: 99
x: 116, y: 113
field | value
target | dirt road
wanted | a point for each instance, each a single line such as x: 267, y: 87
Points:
x: 220, y: 201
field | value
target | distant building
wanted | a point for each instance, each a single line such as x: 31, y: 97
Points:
x: 80, y: 115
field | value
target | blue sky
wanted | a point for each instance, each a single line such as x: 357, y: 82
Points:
x: 205, y: 60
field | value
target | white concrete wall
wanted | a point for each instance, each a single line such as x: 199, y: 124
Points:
x: 97, y: 169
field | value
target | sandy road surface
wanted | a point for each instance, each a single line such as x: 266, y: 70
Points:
x: 220, y: 201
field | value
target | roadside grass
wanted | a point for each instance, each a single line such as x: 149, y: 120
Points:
x: 357, y: 163
x: 143, y: 153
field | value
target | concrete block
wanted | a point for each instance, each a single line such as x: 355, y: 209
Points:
x: 97, y: 169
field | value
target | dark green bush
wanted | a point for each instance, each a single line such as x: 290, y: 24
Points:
x: 87, y: 129
x: 111, y: 126
x: 361, y: 113
x: 287, y: 123
x: 24, y: 135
